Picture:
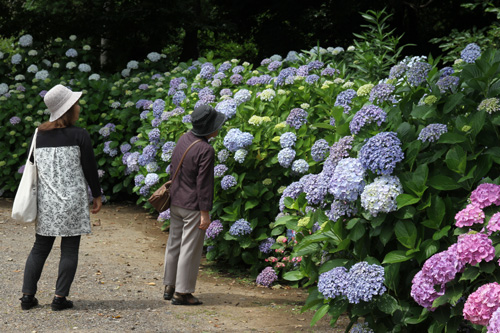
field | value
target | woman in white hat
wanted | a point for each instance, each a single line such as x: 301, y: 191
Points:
x: 65, y: 164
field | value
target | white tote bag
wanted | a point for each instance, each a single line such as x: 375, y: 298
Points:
x: 25, y: 203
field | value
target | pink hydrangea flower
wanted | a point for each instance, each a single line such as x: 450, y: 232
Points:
x: 423, y: 291
x: 482, y: 303
x: 494, y: 324
x: 474, y: 248
x: 494, y: 223
x: 485, y: 195
x: 469, y: 215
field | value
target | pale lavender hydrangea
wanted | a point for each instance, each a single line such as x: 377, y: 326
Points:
x: 344, y: 99
x: 432, y: 132
x: 367, y: 115
x: 15, y: 120
x: 287, y: 140
x: 236, y: 139
x: 226, y: 92
x: 125, y: 148
x: 286, y: 156
x: 333, y: 283
x: 315, y: 186
x: 227, y: 107
x: 361, y: 328
x: 236, y: 79
x: 303, y: 71
x: 470, y: 53
x: 240, y: 227
x: 286, y: 76
x: 448, y: 84
x: 151, y: 179
x: 274, y: 65
x: 365, y: 282
x: 417, y: 74
x: 380, y: 196
x: 220, y: 170
x: 328, y: 71
x: 108, y: 150
x: 315, y: 64
x: 300, y: 166
x: 178, y: 97
x: 265, y: 245
x: 347, y: 182
x: 340, y: 208
x: 398, y: 71
x: 214, y: 229
x: 382, y: 92
x: 291, y: 191
x: 227, y: 182
x: 186, y: 119
x: 381, y: 153
x: 207, y: 71
x: 311, y: 79
x: 238, y: 69
x: 242, y: 96
x: 139, y: 179
x: 71, y: 53
x: 223, y: 155
x: 158, y: 107
x: 338, y: 151
x: 267, y: 277
x: 297, y: 118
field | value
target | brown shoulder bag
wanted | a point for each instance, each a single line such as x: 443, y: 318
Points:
x: 160, y: 199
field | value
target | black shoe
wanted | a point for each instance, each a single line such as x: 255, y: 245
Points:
x: 61, y: 303
x: 185, y: 299
x: 28, y: 302
x: 169, y: 293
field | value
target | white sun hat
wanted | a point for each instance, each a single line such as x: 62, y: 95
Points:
x: 60, y: 99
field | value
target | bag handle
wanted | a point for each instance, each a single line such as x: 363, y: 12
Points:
x: 33, y: 147
x: 182, y: 159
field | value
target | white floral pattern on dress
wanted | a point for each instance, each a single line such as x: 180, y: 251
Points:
x: 63, y: 209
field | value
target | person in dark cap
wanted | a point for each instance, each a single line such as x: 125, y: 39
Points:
x: 191, y: 201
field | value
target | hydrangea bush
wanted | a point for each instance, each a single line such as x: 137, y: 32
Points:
x: 321, y: 171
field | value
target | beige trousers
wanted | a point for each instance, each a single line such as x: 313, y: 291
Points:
x: 184, y: 249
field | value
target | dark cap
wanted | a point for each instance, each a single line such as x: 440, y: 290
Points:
x: 206, y: 120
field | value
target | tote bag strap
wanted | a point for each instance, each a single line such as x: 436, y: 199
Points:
x: 33, y: 147
x: 182, y: 159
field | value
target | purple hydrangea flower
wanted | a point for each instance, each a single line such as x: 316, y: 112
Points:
x: 470, y: 53
x: 15, y: 120
x: 303, y: 71
x: 423, y: 291
x: 344, y: 98
x: 108, y: 150
x: 398, y: 71
x: 154, y: 135
x: 417, y: 74
x: 365, y: 281
x: 125, y: 148
x: 207, y: 71
x: 219, y: 170
x: 338, y: 151
x: 143, y: 86
x: 227, y: 107
x: 367, y: 115
x: 328, y: 71
x: 186, y: 119
x: 291, y: 191
x: 287, y: 140
x: 319, y: 150
x: 214, y: 229
x: 163, y: 216
x: 227, y: 182
x: 265, y: 245
x: 347, y: 182
x: 297, y: 118
x: 240, y: 228
x: 315, y: 64
x: 286, y: 76
x: 179, y: 96
x: 274, y: 65
x: 236, y: 79
x: 333, y: 283
x: 340, y: 208
x: 238, y: 69
x: 226, y: 92
x: 448, y: 84
x: 236, y: 139
x: 382, y: 92
x: 139, y: 179
x: 446, y: 71
x: 315, y: 186
x: 381, y: 152
x: 148, y: 155
x: 158, y: 107
x: 311, y: 79
x: 266, y: 277
x: 432, y: 132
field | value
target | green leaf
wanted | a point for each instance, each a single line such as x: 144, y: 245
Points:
x: 251, y: 204
x: 396, y: 256
x: 319, y: 314
x: 406, y: 233
x: 436, y: 211
x: 284, y: 219
x: 357, y: 232
x: 406, y: 200
x: 451, y: 138
x: 248, y: 258
x: 456, y: 160
x: 452, y: 102
x: 443, y: 183
x: 293, y: 276
x: 387, y: 304
x: 441, y: 233
x: 470, y: 274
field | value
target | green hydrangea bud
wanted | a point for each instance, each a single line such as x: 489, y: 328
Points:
x: 303, y: 222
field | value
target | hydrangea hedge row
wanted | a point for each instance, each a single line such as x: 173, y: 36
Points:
x: 347, y: 186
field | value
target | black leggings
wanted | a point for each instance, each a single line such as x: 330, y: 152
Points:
x: 67, y: 263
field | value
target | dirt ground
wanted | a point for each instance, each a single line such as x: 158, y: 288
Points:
x: 118, y: 285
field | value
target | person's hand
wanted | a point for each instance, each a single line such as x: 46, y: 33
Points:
x: 96, y: 205
x: 205, y: 220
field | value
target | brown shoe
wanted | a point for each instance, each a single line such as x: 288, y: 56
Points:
x: 169, y: 293
x: 185, y: 299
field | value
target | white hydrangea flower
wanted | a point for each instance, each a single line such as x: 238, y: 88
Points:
x: 16, y: 59
x: 126, y: 72
x: 56, y: 65
x: 132, y: 64
x: 72, y: 38
x: 87, y: 47
x: 154, y: 56
x: 32, y: 53
x: 70, y: 65
x: 84, y: 68
x: 19, y: 77
x: 42, y: 75
x: 32, y: 69
x: 94, y: 76
x: 26, y: 40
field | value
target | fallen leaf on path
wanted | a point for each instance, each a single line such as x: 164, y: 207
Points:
x: 152, y: 284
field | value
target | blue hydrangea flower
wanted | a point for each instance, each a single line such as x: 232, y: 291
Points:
x: 291, y: 191
x: 297, y: 118
x: 333, y: 283
x: 242, y: 96
x: 71, y: 53
x: 236, y: 139
x: 240, y: 228
x: 286, y: 76
x: 16, y: 59
x: 139, y: 179
x: 227, y: 107
x: 344, y: 98
x: 154, y: 135
x: 361, y: 328
x: 151, y: 179
x: 380, y: 196
x: 328, y: 71
x: 382, y: 92
x: 238, y: 69
x: 292, y: 56
x: 228, y: 181
x: 446, y: 71
x: 417, y: 74
x: 287, y: 140
x: 367, y: 115
x: 236, y: 79
x: 223, y: 155
x: 176, y: 82
x: 265, y: 245
x: 266, y: 277
x: 207, y: 71
x: 179, y: 96
x: 381, y: 152
x: 315, y: 64
x: 319, y: 150
x: 447, y: 84
x: 300, y: 166
x: 470, y: 53
x: 303, y: 71
x: 219, y: 76
x: 219, y: 170
x: 108, y: 150
x: 186, y: 119
x: 15, y: 120
x: 133, y: 162
x: 25, y: 40
x: 338, y: 151
x: 274, y: 65
x: 286, y: 156
x: 348, y: 180
x: 315, y: 186
x: 239, y: 155
x: 365, y: 281
x: 148, y: 155
x: 158, y: 107
x: 214, y: 229
x: 340, y: 208
x: 226, y: 92
x: 398, y: 71
x: 432, y: 132
x: 125, y: 148
x: 144, y: 191
x: 311, y: 79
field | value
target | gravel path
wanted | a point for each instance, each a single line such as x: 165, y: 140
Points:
x: 118, y: 286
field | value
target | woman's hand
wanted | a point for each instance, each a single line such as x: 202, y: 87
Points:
x: 96, y: 206
x: 205, y: 220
